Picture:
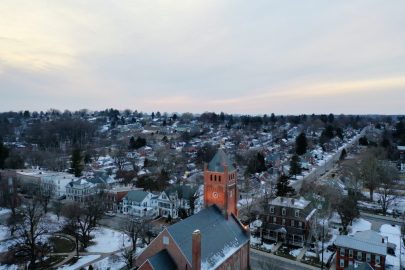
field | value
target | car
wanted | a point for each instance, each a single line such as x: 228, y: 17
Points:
x: 110, y: 214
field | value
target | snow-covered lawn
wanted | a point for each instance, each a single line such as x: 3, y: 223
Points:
x: 82, y: 261
x: 359, y: 225
x: 107, y: 240
x: 4, y: 211
x: 8, y: 267
x: 257, y: 241
x: 295, y: 252
x: 4, y: 232
x: 112, y: 262
x: 394, y: 236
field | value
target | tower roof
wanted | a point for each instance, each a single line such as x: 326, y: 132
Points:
x: 219, y: 161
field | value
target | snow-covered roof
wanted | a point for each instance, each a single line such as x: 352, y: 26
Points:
x: 299, y: 203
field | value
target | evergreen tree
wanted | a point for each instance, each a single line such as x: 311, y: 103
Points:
x: 295, y: 166
x: 283, y: 187
x: 4, y: 152
x: 76, y: 165
x: 301, y: 144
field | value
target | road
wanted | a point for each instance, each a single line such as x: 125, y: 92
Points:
x: 320, y: 170
x: 265, y: 261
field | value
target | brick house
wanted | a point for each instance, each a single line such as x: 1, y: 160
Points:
x: 213, y: 238
x: 288, y: 220
x: 367, y: 246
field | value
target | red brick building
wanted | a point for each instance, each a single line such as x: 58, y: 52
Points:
x: 367, y: 246
x: 211, y: 239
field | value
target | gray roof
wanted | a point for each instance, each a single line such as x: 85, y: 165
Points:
x: 220, y: 237
x: 136, y: 195
x: 368, y: 241
x: 162, y: 261
x: 298, y: 203
x: 219, y: 161
x: 183, y: 191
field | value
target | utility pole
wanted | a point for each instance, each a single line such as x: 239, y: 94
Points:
x: 323, y: 237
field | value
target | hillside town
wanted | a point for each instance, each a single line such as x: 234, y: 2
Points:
x: 132, y: 190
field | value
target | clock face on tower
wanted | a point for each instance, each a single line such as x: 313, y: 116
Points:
x: 215, y: 194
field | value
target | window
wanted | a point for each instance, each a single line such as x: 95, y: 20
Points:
x: 274, y: 220
x: 272, y: 209
x: 351, y: 253
x: 342, y: 252
x: 297, y: 213
x: 359, y: 256
x: 377, y: 259
x: 283, y: 221
x: 211, y: 177
x: 292, y: 223
x: 165, y: 240
x: 283, y: 211
x: 342, y: 263
x: 368, y: 257
x: 219, y: 178
x: 300, y: 224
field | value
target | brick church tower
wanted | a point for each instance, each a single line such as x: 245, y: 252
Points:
x: 220, y: 184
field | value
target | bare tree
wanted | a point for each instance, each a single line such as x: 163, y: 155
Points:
x: 387, y: 193
x: 369, y: 174
x: 30, y: 230
x: 81, y: 220
x: 135, y: 229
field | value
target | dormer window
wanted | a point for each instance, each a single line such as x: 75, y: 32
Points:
x: 283, y: 211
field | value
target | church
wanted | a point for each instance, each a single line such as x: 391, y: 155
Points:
x: 213, y: 238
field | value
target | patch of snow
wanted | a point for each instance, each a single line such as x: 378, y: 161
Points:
x: 107, y: 240
x: 82, y: 261
x: 8, y: 267
x: 111, y: 262
x: 295, y: 252
x: 217, y: 259
x: 394, y: 236
x: 359, y: 225
x: 4, y: 232
x: 4, y: 211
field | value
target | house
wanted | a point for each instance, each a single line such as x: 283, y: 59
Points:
x: 138, y: 203
x: 213, y: 238
x: 366, y: 246
x: 9, y: 189
x: 288, y: 220
x: 114, y: 197
x: 80, y: 190
x: 174, y: 199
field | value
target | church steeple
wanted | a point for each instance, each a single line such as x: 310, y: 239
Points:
x: 220, y: 185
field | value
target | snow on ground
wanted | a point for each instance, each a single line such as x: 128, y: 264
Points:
x: 107, y: 240
x: 5, y: 245
x: 257, y: 241
x: 4, y: 232
x: 8, y: 267
x: 245, y: 201
x: 311, y: 254
x: 4, y: 211
x: 359, y: 225
x: 295, y: 252
x: 112, y: 262
x: 394, y: 236
x: 82, y: 261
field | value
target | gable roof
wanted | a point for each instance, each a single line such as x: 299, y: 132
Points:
x: 136, y: 195
x: 220, y: 237
x: 162, y: 261
x: 183, y: 191
x: 219, y: 161
x: 368, y: 241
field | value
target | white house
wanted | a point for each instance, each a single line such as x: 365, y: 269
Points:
x: 139, y: 203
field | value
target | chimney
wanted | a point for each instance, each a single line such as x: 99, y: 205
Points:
x: 196, y: 250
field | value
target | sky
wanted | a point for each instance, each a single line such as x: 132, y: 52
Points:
x: 255, y: 57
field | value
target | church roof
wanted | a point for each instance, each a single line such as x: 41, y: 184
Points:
x: 162, y: 261
x: 219, y: 161
x: 220, y: 237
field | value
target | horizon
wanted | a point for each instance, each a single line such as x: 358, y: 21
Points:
x: 204, y: 56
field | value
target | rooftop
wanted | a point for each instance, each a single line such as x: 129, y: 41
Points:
x: 368, y: 241
x: 299, y: 203
x: 219, y: 162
